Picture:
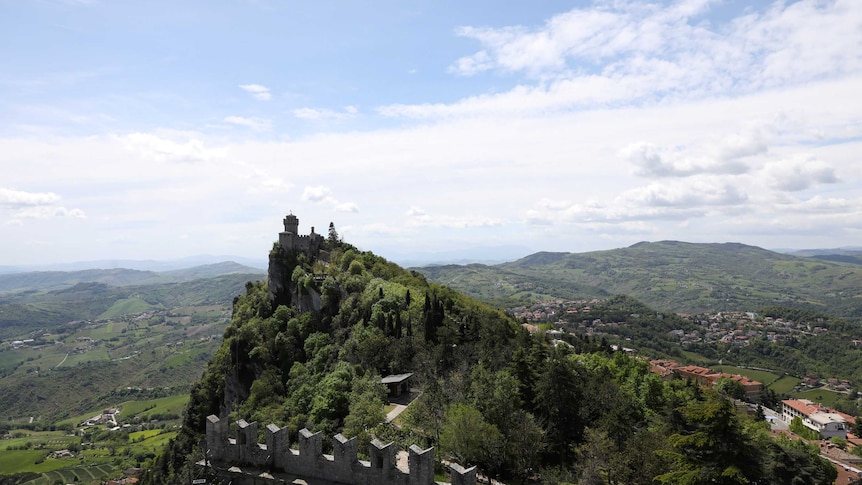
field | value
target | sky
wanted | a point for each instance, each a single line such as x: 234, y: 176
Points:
x: 165, y: 129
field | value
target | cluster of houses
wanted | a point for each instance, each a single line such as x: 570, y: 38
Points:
x: 552, y: 310
x: 108, y: 416
x: 739, y: 328
x: 831, y: 383
x: 731, y: 328
x: 705, y: 377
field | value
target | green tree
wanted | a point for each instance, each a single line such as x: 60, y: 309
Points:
x: 425, y: 416
x: 469, y: 439
x: 558, y: 400
x: 366, y: 407
x: 730, y: 388
x: 797, y: 462
x: 800, y: 429
x: 712, y: 447
x: 333, y: 237
x: 525, y: 442
x: 495, y: 395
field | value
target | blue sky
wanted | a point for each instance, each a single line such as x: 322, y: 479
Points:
x: 158, y: 130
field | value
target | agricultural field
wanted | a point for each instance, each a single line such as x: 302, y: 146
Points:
x: 78, y: 474
x: 18, y: 461
x: 153, y: 407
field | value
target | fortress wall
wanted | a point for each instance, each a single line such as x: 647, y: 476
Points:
x: 309, y: 461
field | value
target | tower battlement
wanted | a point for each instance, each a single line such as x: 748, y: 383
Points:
x: 242, y: 459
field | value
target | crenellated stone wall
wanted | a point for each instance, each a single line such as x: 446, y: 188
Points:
x: 231, y: 455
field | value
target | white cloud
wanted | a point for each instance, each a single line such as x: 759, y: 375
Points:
x: 633, y: 53
x: 256, y: 124
x: 34, y: 205
x: 321, y: 194
x: 826, y: 205
x: 554, y: 204
x: 653, y: 161
x: 677, y: 200
x: 257, y: 91
x: 414, y: 211
x: 314, y: 114
x: 687, y: 195
x: 45, y: 212
x: 347, y: 207
x: 797, y: 175
x: 453, y: 222
x: 164, y: 149
x: 317, y: 193
x: 16, y: 198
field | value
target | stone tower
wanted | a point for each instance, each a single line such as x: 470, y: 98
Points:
x: 291, y: 224
x: 290, y: 239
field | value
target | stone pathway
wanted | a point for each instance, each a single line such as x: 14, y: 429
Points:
x: 391, y: 415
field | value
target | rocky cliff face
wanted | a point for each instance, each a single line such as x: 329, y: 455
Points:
x: 282, y: 290
x: 234, y: 391
x: 281, y: 265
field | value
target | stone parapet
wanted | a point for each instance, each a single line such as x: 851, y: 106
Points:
x: 274, y: 456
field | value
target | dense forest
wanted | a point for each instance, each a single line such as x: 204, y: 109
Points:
x: 311, y: 354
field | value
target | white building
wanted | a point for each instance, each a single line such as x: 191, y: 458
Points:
x: 819, y: 418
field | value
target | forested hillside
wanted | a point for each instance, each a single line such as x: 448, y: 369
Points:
x: 669, y: 276
x: 492, y: 394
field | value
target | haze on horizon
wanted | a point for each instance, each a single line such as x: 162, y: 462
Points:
x: 158, y: 130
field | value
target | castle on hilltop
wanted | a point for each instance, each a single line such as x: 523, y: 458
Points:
x: 290, y: 240
x: 244, y: 461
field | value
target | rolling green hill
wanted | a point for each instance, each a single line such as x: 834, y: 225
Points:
x: 668, y: 275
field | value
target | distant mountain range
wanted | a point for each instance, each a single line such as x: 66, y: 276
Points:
x: 52, y: 280
x: 140, y: 265
x: 848, y: 251
x: 668, y: 275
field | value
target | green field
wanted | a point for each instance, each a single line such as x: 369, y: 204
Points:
x: 823, y: 396
x: 155, y: 443
x: 126, y: 306
x: 129, y: 409
x: 10, y: 358
x: 18, y: 461
x: 170, y: 404
x: 143, y: 435
x: 51, y: 439
x: 785, y: 384
x: 78, y: 474
x: 758, y: 375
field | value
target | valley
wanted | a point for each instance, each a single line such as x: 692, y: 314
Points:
x: 135, y: 350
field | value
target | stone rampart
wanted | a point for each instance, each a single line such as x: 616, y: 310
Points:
x: 231, y: 455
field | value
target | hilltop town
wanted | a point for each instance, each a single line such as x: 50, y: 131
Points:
x: 738, y: 329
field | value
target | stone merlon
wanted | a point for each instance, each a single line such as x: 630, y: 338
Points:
x: 245, y: 461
